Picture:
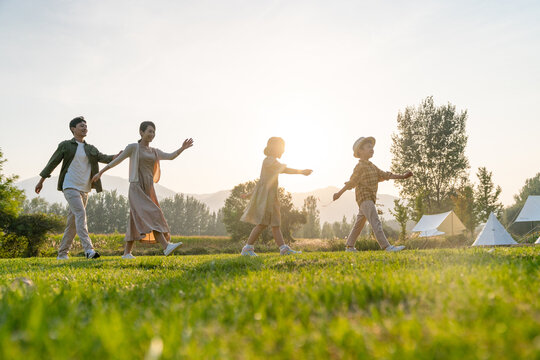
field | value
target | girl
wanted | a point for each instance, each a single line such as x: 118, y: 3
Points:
x: 146, y: 220
x: 263, y: 209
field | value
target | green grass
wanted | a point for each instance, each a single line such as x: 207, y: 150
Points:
x: 429, y: 304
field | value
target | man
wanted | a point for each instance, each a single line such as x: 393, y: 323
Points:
x: 79, y: 165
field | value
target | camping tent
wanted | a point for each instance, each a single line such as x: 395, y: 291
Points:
x: 493, y: 234
x: 439, y: 224
x: 531, y: 210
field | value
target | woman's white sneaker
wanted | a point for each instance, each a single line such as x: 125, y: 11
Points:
x: 171, y: 247
x: 392, y: 248
x: 128, y: 256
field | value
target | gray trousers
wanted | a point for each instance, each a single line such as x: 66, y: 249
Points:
x: 368, y: 212
x: 76, y: 222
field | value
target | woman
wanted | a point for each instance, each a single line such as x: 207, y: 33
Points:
x: 146, y: 220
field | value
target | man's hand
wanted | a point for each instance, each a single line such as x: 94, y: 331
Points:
x: 39, y: 186
x: 96, y: 177
x: 117, y: 155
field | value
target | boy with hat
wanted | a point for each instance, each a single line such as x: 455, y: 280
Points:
x: 365, y: 179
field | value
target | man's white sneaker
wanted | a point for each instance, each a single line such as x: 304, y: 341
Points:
x: 128, y: 256
x: 248, y: 251
x: 171, y: 247
x: 62, y: 257
x: 92, y: 254
x: 350, y: 249
x: 393, y: 248
x: 286, y: 250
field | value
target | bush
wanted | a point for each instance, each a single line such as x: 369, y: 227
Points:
x: 34, y: 227
x: 12, y: 246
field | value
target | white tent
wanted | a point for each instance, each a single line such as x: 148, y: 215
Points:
x: 439, y: 224
x: 493, y: 234
x: 531, y: 210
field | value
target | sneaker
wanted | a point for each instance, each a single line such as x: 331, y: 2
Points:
x: 392, y: 248
x: 128, y: 256
x: 350, y: 249
x: 92, y: 254
x: 171, y: 247
x: 62, y: 257
x: 286, y: 250
x: 248, y: 251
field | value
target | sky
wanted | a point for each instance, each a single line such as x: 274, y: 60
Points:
x: 231, y: 74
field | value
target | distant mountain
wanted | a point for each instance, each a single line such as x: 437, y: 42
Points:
x: 330, y: 211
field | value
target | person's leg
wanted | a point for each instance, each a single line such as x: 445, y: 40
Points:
x: 278, y: 236
x: 69, y: 234
x: 160, y: 238
x: 128, y: 247
x: 370, y: 212
x: 77, y: 203
x: 356, y: 230
x: 257, y: 230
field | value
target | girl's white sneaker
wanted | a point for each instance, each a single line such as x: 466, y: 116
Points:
x: 350, y: 249
x: 128, y: 256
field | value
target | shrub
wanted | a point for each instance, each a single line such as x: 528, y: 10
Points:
x: 12, y: 246
x: 34, y: 227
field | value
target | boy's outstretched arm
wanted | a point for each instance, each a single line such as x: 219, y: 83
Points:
x: 340, y: 192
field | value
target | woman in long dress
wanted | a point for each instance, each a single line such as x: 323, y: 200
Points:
x: 146, y: 221
x: 263, y: 208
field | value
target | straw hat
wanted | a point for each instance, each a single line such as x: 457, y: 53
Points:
x: 361, y: 141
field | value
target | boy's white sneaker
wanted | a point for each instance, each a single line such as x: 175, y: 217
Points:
x: 392, y: 248
x: 62, y: 257
x: 92, y: 254
x: 171, y: 247
x: 286, y: 250
x: 248, y: 251
x: 128, y: 256
x: 350, y: 249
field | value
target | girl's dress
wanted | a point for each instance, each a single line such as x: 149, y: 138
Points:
x: 264, y: 205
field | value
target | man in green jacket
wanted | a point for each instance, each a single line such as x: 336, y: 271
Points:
x: 79, y: 165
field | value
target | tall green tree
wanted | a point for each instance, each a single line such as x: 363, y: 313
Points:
x: 430, y: 142
x: 465, y: 207
x: 401, y: 214
x: 189, y: 216
x: 487, y: 195
x: 312, y: 228
x: 107, y: 212
x: 11, y: 198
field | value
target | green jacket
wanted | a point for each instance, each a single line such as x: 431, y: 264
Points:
x: 66, y: 152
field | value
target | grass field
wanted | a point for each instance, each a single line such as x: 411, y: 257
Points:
x: 429, y: 304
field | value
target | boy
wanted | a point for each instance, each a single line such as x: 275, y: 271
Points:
x: 79, y: 164
x: 365, y: 179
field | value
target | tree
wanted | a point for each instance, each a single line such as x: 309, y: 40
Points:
x: 431, y: 143
x: 327, y: 232
x: 465, y: 207
x: 235, y: 205
x: 37, y: 205
x: 11, y: 198
x: 401, y: 214
x: 312, y: 228
x: 487, y: 196
x: 188, y: 216
x: 107, y: 212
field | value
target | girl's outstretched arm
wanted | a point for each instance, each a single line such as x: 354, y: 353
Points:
x: 304, y: 172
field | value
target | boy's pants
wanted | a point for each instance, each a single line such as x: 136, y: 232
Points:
x: 76, y: 221
x: 368, y: 212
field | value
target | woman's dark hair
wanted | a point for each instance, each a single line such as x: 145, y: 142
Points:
x: 145, y: 125
x: 73, y: 123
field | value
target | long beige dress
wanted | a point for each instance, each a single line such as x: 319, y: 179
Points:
x: 145, y: 215
x: 263, y: 208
